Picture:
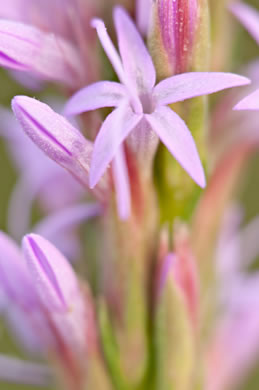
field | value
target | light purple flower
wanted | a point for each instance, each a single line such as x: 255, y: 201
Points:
x: 22, y: 303
x: 249, y: 17
x: 139, y: 103
x: 64, y: 144
x: 57, y: 138
x: 58, y: 289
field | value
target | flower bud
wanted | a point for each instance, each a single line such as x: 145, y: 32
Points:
x: 174, y: 337
x: 57, y: 138
x: 178, y: 35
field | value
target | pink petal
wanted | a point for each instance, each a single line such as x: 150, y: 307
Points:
x: 109, y: 49
x: 248, y: 16
x: 92, y: 97
x: 115, y: 60
x: 24, y: 47
x: 189, y: 85
x: 174, y: 133
x: 15, y: 279
x: 122, y: 185
x: 250, y: 102
x: 136, y: 59
x: 143, y: 15
x: 56, y: 137
x: 113, y: 132
x: 55, y: 280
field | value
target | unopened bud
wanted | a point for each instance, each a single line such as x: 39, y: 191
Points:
x: 178, y: 35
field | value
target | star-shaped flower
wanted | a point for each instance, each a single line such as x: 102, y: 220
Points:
x: 249, y: 17
x: 139, y: 103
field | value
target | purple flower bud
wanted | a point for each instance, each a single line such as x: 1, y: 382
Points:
x: 55, y: 136
x: 54, y: 278
x: 58, y: 290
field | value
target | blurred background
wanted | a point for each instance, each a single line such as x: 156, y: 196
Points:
x: 242, y: 51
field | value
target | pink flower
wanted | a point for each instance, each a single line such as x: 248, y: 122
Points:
x: 142, y: 107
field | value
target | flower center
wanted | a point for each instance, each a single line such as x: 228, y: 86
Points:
x: 147, y: 103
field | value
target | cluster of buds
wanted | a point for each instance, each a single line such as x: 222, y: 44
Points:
x: 117, y: 169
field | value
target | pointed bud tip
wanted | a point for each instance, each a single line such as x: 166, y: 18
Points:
x: 18, y: 101
x: 38, y: 252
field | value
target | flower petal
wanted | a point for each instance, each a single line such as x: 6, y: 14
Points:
x: 94, y: 96
x: 14, y: 277
x: 248, y: 16
x: 250, y: 102
x: 136, y: 59
x: 109, y: 49
x: 56, y: 137
x: 24, y: 47
x: 122, y: 185
x: 143, y: 15
x: 113, y: 132
x: 176, y: 136
x: 58, y: 290
x: 189, y: 85
x: 55, y: 280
